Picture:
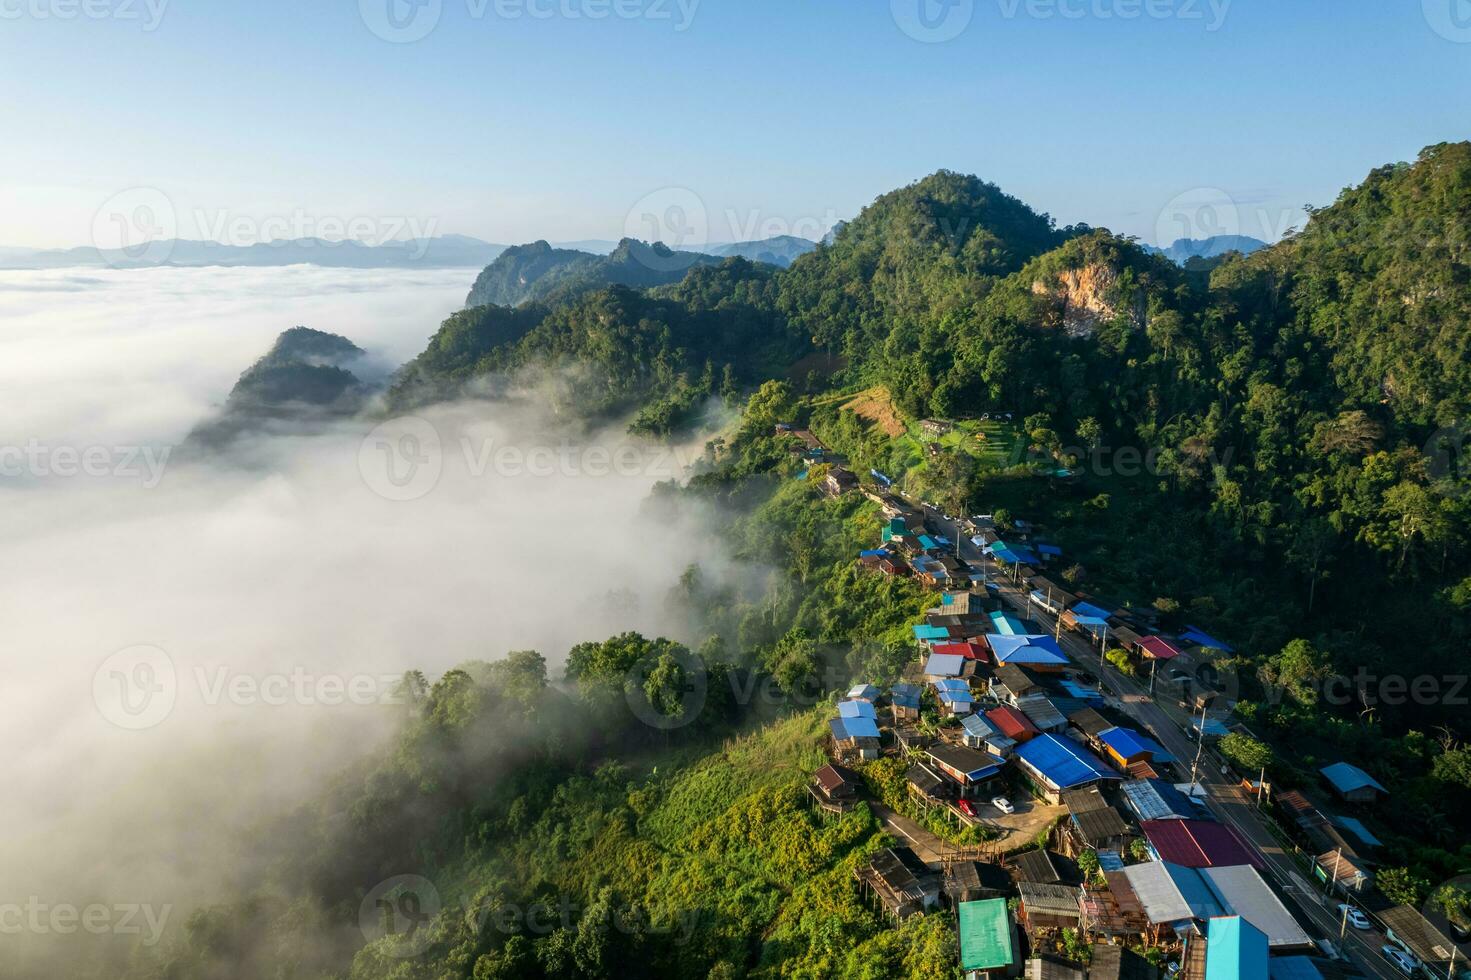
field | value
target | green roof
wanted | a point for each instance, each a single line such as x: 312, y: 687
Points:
x: 985, y: 935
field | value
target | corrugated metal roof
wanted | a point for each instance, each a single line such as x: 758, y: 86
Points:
x: 1028, y: 649
x: 1235, y: 950
x: 1012, y: 722
x: 1244, y: 893
x: 1062, y: 762
x: 985, y: 935
x: 1155, y: 799
x: 941, y: 665
x: 1346, y: 778
x: 1170, y: 893
x: 1198, y: 843
x: 1124, y: 741
x: 1159, y: 648
x: 856, y: 709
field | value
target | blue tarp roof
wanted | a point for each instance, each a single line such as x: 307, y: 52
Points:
x: 931, y: 633
x: 1088, y: 609
x: 926, y: 542
x: 1014, y: 554
x: 874, y: 553
x: 1235, y: 950
x: 1051, y: 550
x: 1079, y: 691
x: 955, y: 697
x: 951, y: 684
x: 944, y: 665
x: 905, y: 695
x: 1027, y: 650
x: 1293, y: 968
x: 1199, y: 636
x: 978, y: 726
x: 1347, y: 777
x: 856, y: 709
x: 1212, y: 726
x: 845, y: 728
x: 1062, y: 761
x: 1125, y: 741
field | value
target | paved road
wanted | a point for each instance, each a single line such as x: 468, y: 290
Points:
x: 1226, y: 800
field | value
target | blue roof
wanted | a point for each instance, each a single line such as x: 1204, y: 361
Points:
x: 1013, y: 554
x: 1357, y: 828
x: 951, y: 684
x: 856, y: 709
x: 1155, y: 799
x: 874, y: 553
x: 1051, y: 550
x: 1005, y: 625
x: 1088, y: 609
x: 1293, y: 968
x: 926, y: 542
x: 865, y: 692
x: 846, y: 728
x: 1199, y: 636
x: 1079, y: 691
x: 926, y: 632
x: 1235, y: 950
x: 1027, y: 650
x: 1212, y: 726
x: 904, y: 695
x: 1124, y: 741
x: 1346, y: 778
x: 1062, y: 761
x: 944, y: 665
x: 955, y: 697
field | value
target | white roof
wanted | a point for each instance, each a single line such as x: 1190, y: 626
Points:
x: 1241, y: 888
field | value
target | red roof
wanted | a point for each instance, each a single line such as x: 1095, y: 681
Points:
x: 1159, y: 648
x: 1012, y: 723
x: 1199, y: 844
x: 970, y: 651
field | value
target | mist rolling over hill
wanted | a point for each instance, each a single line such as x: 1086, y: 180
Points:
x: 447, y: 251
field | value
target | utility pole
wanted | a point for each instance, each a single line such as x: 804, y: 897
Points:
x: 1260, y: 783
x: 1337, y: 859
x: 1343, y: 926
x: 1199, y: 748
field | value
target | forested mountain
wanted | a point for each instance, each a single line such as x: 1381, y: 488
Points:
x: 1297, y: 494
x: 538, y: 272
x: 1185, y: 249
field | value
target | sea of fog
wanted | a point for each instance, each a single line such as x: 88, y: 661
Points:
x: 187, y: 647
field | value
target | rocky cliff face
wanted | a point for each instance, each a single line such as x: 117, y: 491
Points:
x: 1087, y: 297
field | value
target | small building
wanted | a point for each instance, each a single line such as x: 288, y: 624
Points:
x: 910, y: 739
x: 1037, y: 651
x: 981, y: 734
x: 1124, y: 747
x: 940, y: 666
x: 1042, y: 713
x: 904, y: 701
x: 954, y: 697
x: 1012, y: 723
x: 855, y: 738
x: 839, y: 481
x: 967, y: 768
x: 988, y: 940
x: 902, y: 883
x: 1011, y: 684
x: 1345, y: 870
x: 1051, y: 763
x: 1048, y: 968
x: 972, y: 881
x: 1352, y: 784
x: 928, y: 785
x: 863, y: 692
x: 935, y: 428
x: 1093, y: 822
x: 1039, y: 866
x: 1155, y: 799
x: 1048, y: 907
x: 1090, y: 723
x: 836, y: 787
x: 858, y: 709
x: 1155, y: 648
x: 1409, y: 929
x: 1235, y: 950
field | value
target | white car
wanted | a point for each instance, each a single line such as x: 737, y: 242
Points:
x: 1355, y: 918
x: 1003, y: 804
x: 1407, y: 964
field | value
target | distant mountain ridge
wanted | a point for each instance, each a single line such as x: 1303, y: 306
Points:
x: 444, y: 251
x: 1185, y: 249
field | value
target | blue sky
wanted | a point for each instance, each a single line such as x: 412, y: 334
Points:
x: 1146, y: 116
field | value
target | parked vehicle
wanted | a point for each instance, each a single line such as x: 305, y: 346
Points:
x: 1355, y: 918
x: 1403, y: 961
x: 1003, y: 804
x: 966, y: 807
